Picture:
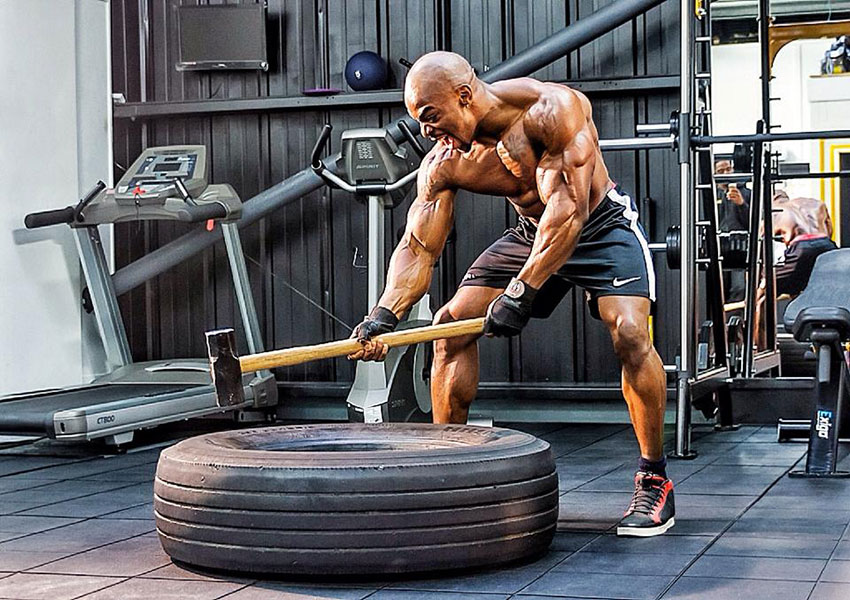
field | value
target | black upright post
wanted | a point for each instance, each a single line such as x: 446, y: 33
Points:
x: 764, y: 49
x: 715, y: 293
x: 823, y: 432
x: 753, y: 253
x: 769, y: 310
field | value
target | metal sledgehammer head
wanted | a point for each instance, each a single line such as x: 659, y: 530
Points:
x: 224, y: 367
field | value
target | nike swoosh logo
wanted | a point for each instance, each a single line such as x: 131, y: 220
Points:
x: 621, y: 282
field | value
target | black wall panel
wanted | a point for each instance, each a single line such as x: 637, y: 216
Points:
x: 316, y: 246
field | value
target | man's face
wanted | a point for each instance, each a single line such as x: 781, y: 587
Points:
x: 444, y: 115
x: 723, y: 167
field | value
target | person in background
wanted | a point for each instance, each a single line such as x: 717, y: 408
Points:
x: 804, y: 226
x: 733, y: 213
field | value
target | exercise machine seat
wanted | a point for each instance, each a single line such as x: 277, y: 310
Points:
x: 826, y: 300
x: 812, y: 318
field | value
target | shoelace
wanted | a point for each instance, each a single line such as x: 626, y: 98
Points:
x: 647, y: 494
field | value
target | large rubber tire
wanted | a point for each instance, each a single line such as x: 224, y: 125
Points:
x: 356, y: 499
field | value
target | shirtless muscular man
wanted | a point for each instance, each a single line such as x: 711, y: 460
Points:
x: 536, y: 144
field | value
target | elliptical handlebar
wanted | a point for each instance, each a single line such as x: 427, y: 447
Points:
x: 411, y: 138
x: 334, y: 180
x: 316, y: 156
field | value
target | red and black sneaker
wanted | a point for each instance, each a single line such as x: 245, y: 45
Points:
x: 652, y: 508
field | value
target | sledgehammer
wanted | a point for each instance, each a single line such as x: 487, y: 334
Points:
x: 227, y: 368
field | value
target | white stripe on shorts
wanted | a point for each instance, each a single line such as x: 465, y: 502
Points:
x: 632, y: 216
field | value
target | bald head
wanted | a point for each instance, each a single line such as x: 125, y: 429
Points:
x: 440, y: 92
x: 436, y: 73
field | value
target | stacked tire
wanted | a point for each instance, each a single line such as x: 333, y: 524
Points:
x: 356, y: 499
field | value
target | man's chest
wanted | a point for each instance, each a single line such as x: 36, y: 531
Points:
x: 515, y: 152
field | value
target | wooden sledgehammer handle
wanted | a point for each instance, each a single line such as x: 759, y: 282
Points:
x: 406, y: 337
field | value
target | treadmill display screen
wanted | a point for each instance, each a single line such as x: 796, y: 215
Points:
x: 171, y: 166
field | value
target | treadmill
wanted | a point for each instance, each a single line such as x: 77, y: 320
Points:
x: 164, y: 183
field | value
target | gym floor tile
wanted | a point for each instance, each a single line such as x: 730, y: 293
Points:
x: 495, y: 581
x: 769, y: 527
x: 30, y: 586
x: 91, y: 506
x: 842, y: 550
x: 27, y: 525
x: 14, y: 465
x: 131, y: 474
x: 686, y: 526
x: 835, y: 516
x: 79, y: 536
x: 837, y: 571
x: 831, y: 591
x: 623, y: 564
x: 590, y: 499
x: 122, y: 559
x: 570, y: 541
x: 761, y: 455
x: 99, y: 503
x: 742, y: 434
x: 568, y: 483
x: 687, y: 511
x: 58, y: 492
x: 14, y: 484
x: 744, y: 567
x: 607, y: 585
x: 145, y: 589
x: 664, y: 544
x: 798, y: 547
x: 422, y: 595
x: 715, y: 588
x: 535, y: 597
x: 283, y: 591
x: 143, y: 511
x: 711, y: 501
x: 724, y: 480
x: 172, y: 571
x: 21, y: 561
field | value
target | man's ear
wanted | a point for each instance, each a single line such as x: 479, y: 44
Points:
x: 464, y: 93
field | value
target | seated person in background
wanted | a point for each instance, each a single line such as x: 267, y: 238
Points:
x: 733, y: 214
x: 802, y: 223
x: 812, y: 209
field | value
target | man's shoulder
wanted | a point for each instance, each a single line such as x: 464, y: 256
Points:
x: 437, y: 168
x: 558, y: 114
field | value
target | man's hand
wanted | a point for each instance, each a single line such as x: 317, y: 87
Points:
x: 733, y: 194
x: 509, y: 312
x: 380, y: 320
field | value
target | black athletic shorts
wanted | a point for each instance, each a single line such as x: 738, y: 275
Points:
x: 611, y: 258
x: 795, y: 267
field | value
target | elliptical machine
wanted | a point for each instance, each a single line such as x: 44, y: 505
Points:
x: 374, y: 166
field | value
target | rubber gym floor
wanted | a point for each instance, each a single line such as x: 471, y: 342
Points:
x: 81, y: 526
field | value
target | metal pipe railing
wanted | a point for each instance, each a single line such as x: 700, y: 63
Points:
x: 687, y: 273
x: 668, y: 142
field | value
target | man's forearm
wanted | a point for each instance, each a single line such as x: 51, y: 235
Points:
x: 554, y: 243
x: 408, y: 278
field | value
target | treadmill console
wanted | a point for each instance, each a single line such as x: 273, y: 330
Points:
x: 150, y: 180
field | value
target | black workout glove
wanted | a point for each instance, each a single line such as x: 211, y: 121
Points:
x: 380, y: 320
x: 509, y: 313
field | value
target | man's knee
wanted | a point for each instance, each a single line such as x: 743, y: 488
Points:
x: 444, y: 315
x: 447, y: 314
x: 631, y: 340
